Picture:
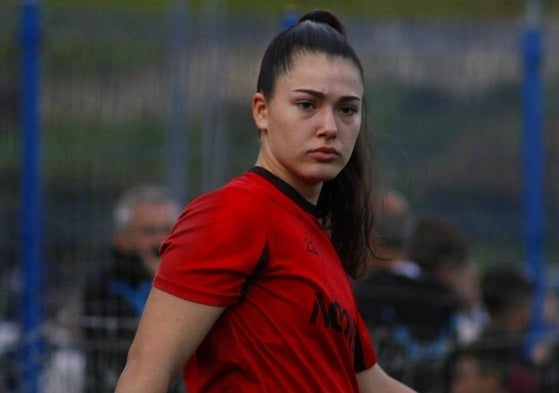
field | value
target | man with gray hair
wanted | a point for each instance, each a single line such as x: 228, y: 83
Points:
x: 143, y: 217
x: 114, y: 297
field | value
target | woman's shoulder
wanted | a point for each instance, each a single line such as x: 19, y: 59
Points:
x: 232, y: 214
x: 243, y: 193
x: 241, y: 203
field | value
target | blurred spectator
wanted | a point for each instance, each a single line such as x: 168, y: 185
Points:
x: 471, y: 317
x: 408, y: 311
x: 546, y: 352
x: 9, y: 340
x: 508, y: 294
x: 115, y: 297
x: 438, y: 245
x: 546, y: 346
x: 9, y: 330
x: 441, y: 249
x: 551, y: 310
x: 391, y: 232
x: 474, y: 369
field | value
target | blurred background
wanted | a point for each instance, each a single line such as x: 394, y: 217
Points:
x: 128, y: 92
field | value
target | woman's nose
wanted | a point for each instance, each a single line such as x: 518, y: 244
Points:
x: 328, y: 125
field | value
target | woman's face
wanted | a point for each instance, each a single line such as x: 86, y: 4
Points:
x: 309, y: 127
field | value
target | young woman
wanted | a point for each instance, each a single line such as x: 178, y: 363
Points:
x: 253, y: 292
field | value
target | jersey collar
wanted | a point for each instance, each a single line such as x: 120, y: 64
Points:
x: 287, y: 189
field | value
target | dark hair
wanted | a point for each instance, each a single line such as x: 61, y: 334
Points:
x: 345, y: 201
x: 490, y: 359
x: 503, y: 287
x: 315, y: 32
x: 436, y: 241
x: 392, y: 221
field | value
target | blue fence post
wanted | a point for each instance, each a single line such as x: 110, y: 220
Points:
x: 533, y: 153
x: 31, y: 241
x: 289, y: 18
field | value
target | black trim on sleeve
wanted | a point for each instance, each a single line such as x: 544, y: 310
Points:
x: 262, y: 262
x: 359, y: 358
x: 287, y: 189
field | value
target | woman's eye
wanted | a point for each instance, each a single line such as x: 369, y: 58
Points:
x: 306, y: 105
x: 348, y: 110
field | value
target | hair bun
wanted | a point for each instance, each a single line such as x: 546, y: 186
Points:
x: 325, y: 17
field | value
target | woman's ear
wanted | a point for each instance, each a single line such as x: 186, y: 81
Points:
x: 260, y: 111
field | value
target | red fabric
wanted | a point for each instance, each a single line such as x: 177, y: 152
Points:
x: 292, y: 326
x: 523, y: 380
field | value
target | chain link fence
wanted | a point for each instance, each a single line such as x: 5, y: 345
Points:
x: 135, y: 96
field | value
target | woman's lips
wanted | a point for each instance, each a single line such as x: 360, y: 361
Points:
x: 325, y: 154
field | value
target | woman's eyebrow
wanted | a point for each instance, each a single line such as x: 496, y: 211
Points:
x: 319, y: 94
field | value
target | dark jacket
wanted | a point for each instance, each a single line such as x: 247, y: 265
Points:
x: 112, y: 304
x: 411, y: 322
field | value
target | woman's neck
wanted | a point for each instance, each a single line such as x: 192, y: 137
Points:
x: 310, y: 192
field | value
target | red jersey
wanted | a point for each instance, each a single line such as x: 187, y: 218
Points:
x: 291, y: 322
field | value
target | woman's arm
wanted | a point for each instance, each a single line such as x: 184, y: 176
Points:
x: 375, y: 380
x: 170, y: 330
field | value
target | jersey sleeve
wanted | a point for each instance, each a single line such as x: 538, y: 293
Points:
x: 365, y: 355
x: 212, y: 250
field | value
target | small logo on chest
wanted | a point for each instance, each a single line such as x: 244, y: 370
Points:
x: 310, y: 246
